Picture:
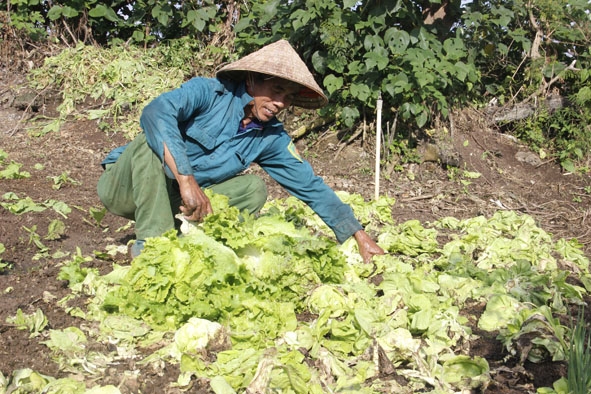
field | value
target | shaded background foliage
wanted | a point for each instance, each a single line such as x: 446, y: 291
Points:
x: 424, y: 58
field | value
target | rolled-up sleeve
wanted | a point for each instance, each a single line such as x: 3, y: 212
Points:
x: 161, y: 118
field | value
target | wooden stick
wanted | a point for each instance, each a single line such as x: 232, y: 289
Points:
x: 378, y: 146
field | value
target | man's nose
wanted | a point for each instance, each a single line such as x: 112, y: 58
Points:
x: 283, y: 101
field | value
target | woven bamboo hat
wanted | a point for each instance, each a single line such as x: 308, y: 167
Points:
x: 279, y: 60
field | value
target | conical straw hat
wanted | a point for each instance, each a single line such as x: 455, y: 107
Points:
x: 280, y: 60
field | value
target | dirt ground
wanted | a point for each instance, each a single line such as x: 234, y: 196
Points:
x: 511, y: 178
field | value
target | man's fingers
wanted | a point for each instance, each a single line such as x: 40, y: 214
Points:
x: 197, y: 213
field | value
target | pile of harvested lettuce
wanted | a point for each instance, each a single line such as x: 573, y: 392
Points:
x: 273, y: 304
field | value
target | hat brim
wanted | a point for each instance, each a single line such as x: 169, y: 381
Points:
x: 279, y: 60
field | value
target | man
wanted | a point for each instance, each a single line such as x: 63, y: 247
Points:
x: 203, y: 134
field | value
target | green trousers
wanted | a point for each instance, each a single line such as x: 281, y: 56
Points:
x: 137, y: 188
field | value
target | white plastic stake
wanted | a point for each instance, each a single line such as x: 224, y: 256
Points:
x: 378, y: 146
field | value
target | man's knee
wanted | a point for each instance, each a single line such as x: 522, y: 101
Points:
x: 245, y: 192
x: 258, y: 193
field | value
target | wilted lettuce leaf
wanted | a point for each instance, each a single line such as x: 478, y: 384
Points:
x: 465, y: 372
x: 409, y: 238
x: 370, y: 212
x: 500, y: 310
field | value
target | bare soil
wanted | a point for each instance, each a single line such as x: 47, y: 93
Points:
x: 510, y: 179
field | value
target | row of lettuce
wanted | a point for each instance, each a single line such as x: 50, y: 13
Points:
x: 272, y: 303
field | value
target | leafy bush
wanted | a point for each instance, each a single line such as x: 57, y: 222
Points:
x: 565, y: 134
x: 146, y: 22
x: 363, y: 49
x: 423, y: 58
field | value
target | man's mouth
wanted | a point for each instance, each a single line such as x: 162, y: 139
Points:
x: 268, y: 112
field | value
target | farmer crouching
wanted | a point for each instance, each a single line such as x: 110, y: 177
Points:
x: 203, y: 134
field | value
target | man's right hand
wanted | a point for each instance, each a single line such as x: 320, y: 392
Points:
x: 196, y: 204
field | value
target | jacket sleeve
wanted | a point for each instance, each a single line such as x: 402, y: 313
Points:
x: 161, y: 118
x: 282, y: 162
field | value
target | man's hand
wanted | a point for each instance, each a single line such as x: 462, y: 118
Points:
x: 367, y: 247
x: 196, y: 205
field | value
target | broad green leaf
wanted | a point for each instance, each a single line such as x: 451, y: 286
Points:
x: 568, y: 165
x: 471, y: 174
x: 242, y: 24
x: 461, y: 70
x: 422, y: 118
x: 199, y: 17
x: 349, y: 116
x: 319, y: 63
x: 373, y: 43
x: 416, y: 57
x: 337, y: 63
x: 268, y: 12
x: 418, y: 302
x: 69, y: 12
x: 454, y: 48
x: 360, y: 91
x: 502, y: 15
x: 300, y: 18
x: 98, y: 11
x: 458, y: 287
x: 333, y: 83
x: 398, y: 84
x: 98, y: 214
x: 107, y: 13
x: 397, y: 40
x: 100, y: 113
x: 137, y: 36
x: 55, y: 12
x: 161, y: 13
x: 409, y: 238
x: 249, y: 276
x: 376, y: 60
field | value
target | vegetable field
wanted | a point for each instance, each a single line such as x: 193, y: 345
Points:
x: 486, y: 271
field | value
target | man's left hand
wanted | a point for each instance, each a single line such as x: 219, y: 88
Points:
x: 367, y: 247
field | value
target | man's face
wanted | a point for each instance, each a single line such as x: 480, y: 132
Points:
x: 271, y: 95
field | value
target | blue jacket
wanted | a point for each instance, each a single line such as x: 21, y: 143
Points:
x: 199, y: 123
